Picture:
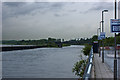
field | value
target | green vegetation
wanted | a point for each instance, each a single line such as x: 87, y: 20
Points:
x: 50, y: 42
x: 0, y: 42
x: 109, y: 41
x: 81, y: 41
x: 79, y: 67
x: 65, y: 45
x: 86, y: 49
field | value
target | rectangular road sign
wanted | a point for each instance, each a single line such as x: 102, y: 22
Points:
x: 99, y: 38
x: 102, y: 35
x: 115, y: 25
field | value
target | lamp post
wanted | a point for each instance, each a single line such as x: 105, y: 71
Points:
x: 98, y: 31
x: 100, y: 26
x: 115, y: 59
x: 103, y: 31
x: 99, y: 41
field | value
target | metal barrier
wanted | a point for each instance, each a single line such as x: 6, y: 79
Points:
x: 87, y: 73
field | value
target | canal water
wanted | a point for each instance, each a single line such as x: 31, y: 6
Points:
x: 41, y: 62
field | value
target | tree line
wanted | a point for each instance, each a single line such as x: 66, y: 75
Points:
x: 52, y: 42
x: 49, y: 42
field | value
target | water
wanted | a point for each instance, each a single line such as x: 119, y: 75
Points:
x: 41, y: 62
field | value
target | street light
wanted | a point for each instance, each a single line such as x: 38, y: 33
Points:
x: 103, y: 19
x: 98, y: 31
x: 105, y: 10
x: 98, y: 39
x: 103, y: 31
x: 100, y: 26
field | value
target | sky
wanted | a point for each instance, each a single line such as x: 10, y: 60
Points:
x: 67, y: 20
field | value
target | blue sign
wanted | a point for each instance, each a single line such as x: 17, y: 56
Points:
x: 115, y: 25
x: 102, y: 35
x: 99, y: 38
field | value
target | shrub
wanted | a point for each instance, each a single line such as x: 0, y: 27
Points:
x: 86, y: 49
x: 79, y: 67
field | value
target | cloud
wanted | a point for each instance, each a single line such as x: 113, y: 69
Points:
x: 16, y: 9
x: 11, y: 9
x: 73, y: 10
x: 98, y: 7
x: 101, y: 6
x: 57, y: 15
x: 13, y: 4
x: 33, y: 20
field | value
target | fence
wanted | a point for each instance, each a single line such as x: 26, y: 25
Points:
x: 87, y: 73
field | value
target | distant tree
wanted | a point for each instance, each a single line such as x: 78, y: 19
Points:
x: 86, y: 49
x: 118, y: 39
x: 94, y: 38
x: 62, y: 40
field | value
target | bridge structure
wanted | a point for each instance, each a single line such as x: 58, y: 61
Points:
x: 19, y: 47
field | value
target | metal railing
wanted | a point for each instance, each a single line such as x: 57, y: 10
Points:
x: 87, y: 73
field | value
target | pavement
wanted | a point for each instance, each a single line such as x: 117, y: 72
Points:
x: 100, y: 70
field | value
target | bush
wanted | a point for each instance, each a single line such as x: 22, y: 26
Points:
x: 86, y: 49
x: 79, y: 68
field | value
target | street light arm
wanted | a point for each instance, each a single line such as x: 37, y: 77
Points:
x: 105, y: 10
x: 103, y: 19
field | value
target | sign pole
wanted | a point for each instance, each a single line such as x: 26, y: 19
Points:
x: 103, y: 32
x: 115, y: 60
x: 115, y: 28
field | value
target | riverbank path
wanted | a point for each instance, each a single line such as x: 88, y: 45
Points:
x: 100, y: 70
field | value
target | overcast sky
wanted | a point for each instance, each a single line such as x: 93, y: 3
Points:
x: 68, y: 20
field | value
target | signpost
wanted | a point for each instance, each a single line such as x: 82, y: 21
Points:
x: 99, y: 38
x: 115, y: 25
x: 119, y: 49
x: 115, y: 28
x: 102, y: 35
